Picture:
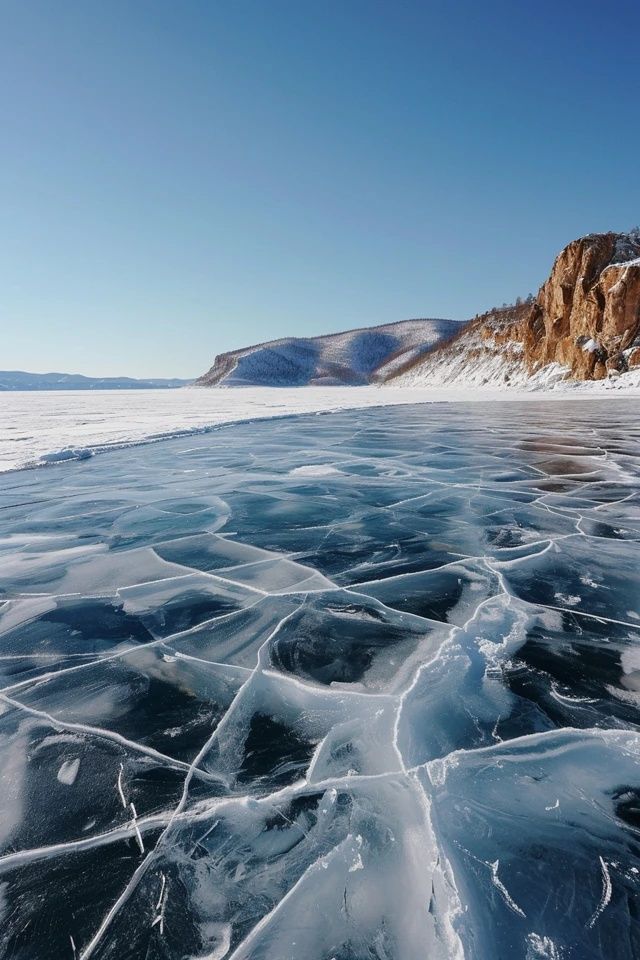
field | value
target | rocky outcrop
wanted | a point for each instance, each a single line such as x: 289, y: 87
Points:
x: 587, y: 315
x: 583, y: 324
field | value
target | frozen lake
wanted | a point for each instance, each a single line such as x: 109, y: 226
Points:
x: 356, y: 686
x: 49, y: 426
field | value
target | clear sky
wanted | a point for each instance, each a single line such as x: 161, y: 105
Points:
x: 178, y: 178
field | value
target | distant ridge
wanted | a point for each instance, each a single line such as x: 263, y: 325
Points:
x: 21, y: 380
x: 359, y: 356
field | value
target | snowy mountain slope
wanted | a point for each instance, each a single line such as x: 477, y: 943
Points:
x: 481, y: 353
x: 21, y: 380
x: 358, y: 356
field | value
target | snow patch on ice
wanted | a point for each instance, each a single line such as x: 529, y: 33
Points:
x: 69, y: 771
x: 69, y: 453
x: 541, y: 948
x: 314, y: 470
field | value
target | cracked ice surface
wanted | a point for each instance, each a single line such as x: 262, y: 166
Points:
x: 358, y: 686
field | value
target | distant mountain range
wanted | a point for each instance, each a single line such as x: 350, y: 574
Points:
x: 584, y: 324
x: 21, y: 380
x: 365, y: 355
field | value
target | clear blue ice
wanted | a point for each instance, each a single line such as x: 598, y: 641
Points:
x: 358, y: 685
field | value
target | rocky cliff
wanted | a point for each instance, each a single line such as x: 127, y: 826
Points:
x: 587, y: 315
x: 584, y: 324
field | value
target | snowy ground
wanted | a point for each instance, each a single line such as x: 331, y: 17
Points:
x: 43, y: 426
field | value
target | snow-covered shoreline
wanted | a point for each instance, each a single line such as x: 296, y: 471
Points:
x: 44, y: 427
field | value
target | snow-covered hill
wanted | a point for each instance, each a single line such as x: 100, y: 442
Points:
x: 366, y: 355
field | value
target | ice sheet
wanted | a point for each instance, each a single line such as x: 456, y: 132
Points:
x: 356, y: 686
x: 54, y: 426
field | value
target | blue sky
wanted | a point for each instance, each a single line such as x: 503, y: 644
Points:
x: 178, y: 179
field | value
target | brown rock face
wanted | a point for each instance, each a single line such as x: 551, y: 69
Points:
x: 583, y: 324
x: 587, y: 315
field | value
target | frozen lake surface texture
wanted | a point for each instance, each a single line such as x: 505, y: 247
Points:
x: 52, y: 426
x: 362, y: 685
